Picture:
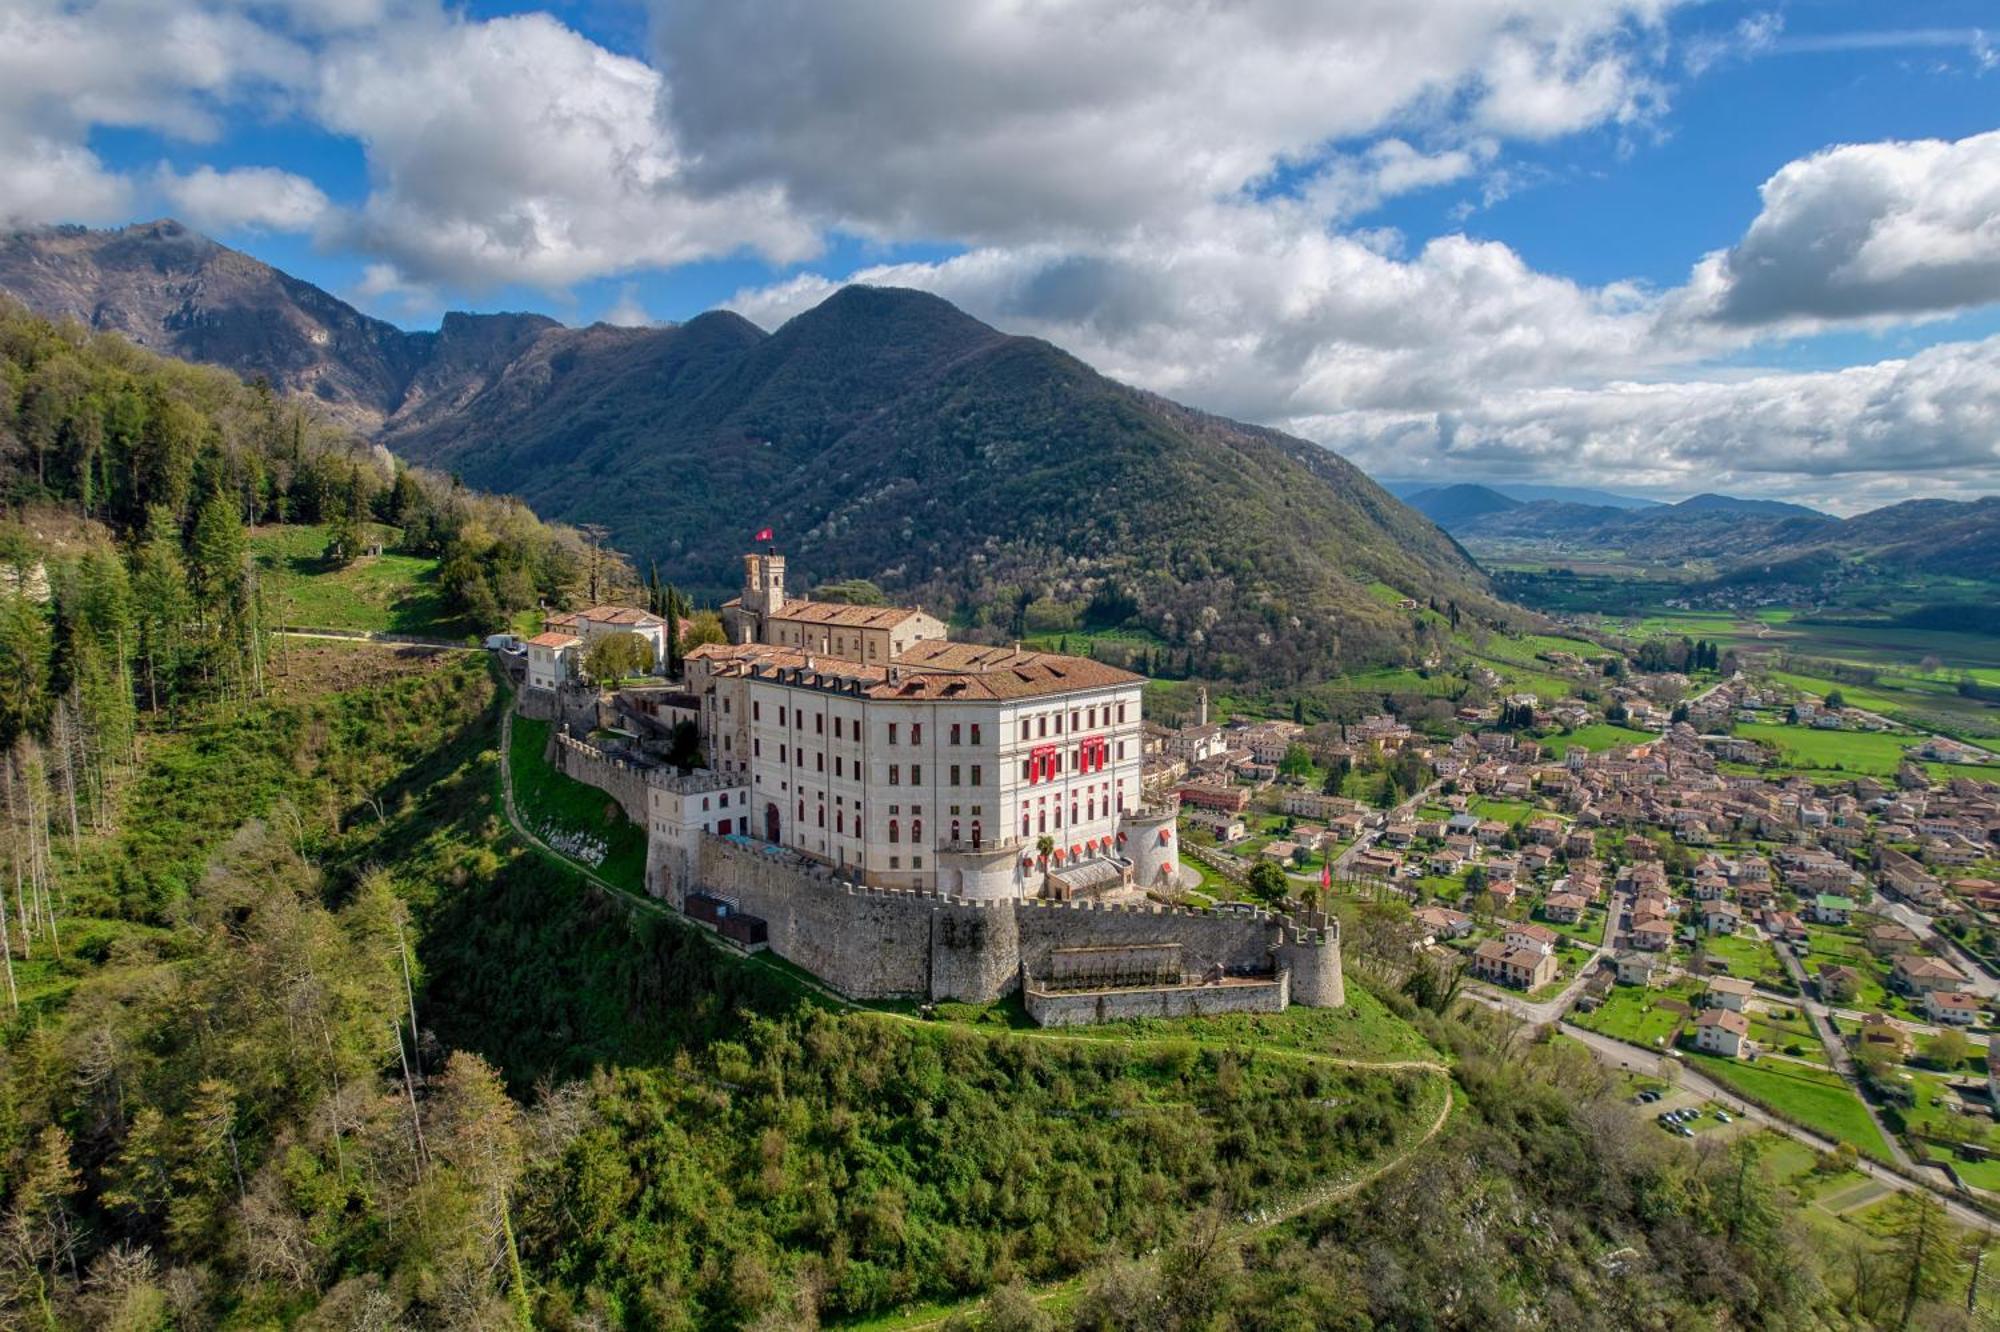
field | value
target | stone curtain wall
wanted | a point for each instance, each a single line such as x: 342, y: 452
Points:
x: 882, y: 943
x: 622, y: 781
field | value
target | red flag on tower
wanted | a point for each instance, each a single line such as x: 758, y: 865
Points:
x: 763, y: 535
x: 1326, y: 874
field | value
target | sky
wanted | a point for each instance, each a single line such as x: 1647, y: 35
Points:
x: 1655, y: 246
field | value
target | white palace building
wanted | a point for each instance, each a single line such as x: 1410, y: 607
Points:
x: 863, y: 738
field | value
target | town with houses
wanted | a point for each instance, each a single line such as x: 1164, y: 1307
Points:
x: 1675, y: 890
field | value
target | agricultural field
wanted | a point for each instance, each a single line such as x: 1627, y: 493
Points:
x: 1860, y: 753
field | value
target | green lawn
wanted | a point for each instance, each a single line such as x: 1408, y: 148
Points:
x: 577, y: 819
x: 1813, y: 1097
x: 384, y: 593
x: 1634, y: 1013
x: 1600, y: 736
x: 1747, y: 958
x: 1505, y: 811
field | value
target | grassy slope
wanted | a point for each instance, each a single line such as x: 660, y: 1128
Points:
x: 386, y: 593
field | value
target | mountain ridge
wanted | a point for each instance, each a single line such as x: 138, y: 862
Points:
x: 885, y: 434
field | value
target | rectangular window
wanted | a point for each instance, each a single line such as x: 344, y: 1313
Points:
x: 819, y: 723
x: 836, y: 728
x: 1025, y: 733
x: 1028, y: 771
x: 838, y: 766
x: 1075, y: 721
x: 756, y: 746
x: 756, y: 710
x: 781, y: 716
x: 819, y: 761
x: 895, y: 774
x: 954, y: 774
x: 781, y: 753
x: 975, y: 733
x: 916, y: 733
x: 1121, y: 749
x: 976, y: 780
x: 916, y: 774
x: 1042, y: 726
x: 1121, y: 714
x: 892, y: 733
x: 954, y: 732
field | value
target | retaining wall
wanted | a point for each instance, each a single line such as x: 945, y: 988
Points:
x: 1077, y: 1008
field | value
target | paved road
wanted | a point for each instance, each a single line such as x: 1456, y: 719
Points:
x: 1621, y: 1055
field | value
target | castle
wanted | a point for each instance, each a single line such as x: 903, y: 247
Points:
x: 908, y: 816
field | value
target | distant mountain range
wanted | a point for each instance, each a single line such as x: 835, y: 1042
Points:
x: 1525, y: 492
x: 884, y: 435
x: 1752, y: 540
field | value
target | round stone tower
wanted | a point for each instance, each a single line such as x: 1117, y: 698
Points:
x: 1313, y: 958
x: 1153, y: 845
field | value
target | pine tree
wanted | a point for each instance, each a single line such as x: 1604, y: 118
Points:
x: 161, y: 608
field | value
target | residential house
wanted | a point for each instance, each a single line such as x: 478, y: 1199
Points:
x: 1527, y: 934
x: 1831, y: 909
x: 1636, y: 968
x: 1443, y: 922
x: 1948, y: 1008
x: 1721, y: 917
x: 1516, y: 965
x: 1916, y: 973
x: 1722, y: 1031
x: 1564, y: 908
x: 1652, y: 935
x: 1729, y: 992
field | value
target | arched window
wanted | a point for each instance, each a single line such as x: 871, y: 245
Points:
x: 954, y: 830
x: 975, y: 834
x: 916, y: 832
x: 894, y: 833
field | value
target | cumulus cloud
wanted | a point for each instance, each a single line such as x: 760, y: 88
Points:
x: 1259, y: 311
x: 1922, y: 424
x: 518, y: 150
x: 993, y: 121
x: 67, y: 68
x: 262, y: 198
x: 1864, y: 231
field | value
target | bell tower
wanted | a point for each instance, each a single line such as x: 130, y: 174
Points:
x: 764, y: 583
